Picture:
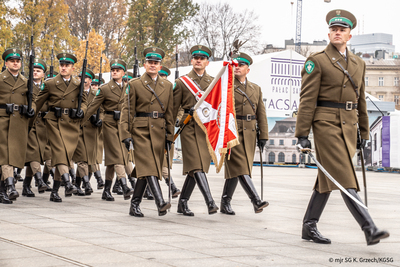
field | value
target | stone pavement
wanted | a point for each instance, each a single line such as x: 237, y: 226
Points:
x: 86, y: 231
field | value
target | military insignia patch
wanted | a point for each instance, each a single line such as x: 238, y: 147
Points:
x: 174, y: 86
x: 98, y: 92
x: 128, y: 89
x: 42, y: 87
x: 309, y: 66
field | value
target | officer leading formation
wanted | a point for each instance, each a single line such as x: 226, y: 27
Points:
x: 132, y: 119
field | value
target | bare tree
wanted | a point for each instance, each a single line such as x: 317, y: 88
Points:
x: 218, y: 26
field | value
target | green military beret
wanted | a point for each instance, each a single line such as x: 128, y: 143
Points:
x: 67, y: 58
x: 12, y: 53
x: 200, y: 51
x: 118, y: 64
x: 128, y: 75
x: 38, y: 63
x: 342, y: 18
x: 48, y: 74
x: 89, y: 74
x: 164, y: 71
x: 153, y: 53
x: 243, y: 58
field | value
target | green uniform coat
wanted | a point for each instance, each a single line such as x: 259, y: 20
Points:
x: 86, y: 151
x: 148, y: 133
x: 63, y: 132
x: 111, y: 97
x: 195, y: 153
x: 37, y: 138
x: 335, y: 130
x: 242, y: 155
x: 13, y: 127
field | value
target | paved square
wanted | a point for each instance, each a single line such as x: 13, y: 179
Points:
x: 87, y: 231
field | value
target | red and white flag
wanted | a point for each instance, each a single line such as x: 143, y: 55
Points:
x: 215, y: 113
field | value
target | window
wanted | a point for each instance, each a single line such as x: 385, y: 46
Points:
x: 294, y: 158
x: 396, y: 99
x: 396, y: 81
x: 281, y: 142
x: 271, y: 157
x: 294, y: 142
x: 375, y: 142
x: 366, y: 81
x: 380, y: 81
x: 281, y: 157
x: 272, y: 142
x: 380, y: 97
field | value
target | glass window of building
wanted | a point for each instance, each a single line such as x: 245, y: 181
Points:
x: 281, y: 157
x: 396, y: 99
x: 294, y: 142
x: 380, y: 97
x: 396, y: 81
x: 271, y: 157
x: 294, y: 158
x: 272, y: 142
x: 366, y: 81
x: 281, y: 142
x: 380, y: 81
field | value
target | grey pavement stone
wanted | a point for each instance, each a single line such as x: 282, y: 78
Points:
x: 87, y: 231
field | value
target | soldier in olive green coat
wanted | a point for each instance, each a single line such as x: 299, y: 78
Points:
x: 148, y: 112
x: 196, y: 158
x: 111, y: 97
x: 14, y: 122
x: 63, y: 121
x: 332, y: 102
x: 250, y: 115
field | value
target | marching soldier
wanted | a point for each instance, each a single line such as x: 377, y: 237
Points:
x: 95, y: 169
x: 332, y: 101
x: 86, y: 151
x: 47, y: 75
x: 196, y: 158
x: 37, y: 139
x: 250, y: 114
x: 111, y: 96
x: 164, y: 73
x: 62, y: 121
x: 148, y: 108
x: 14, y: 122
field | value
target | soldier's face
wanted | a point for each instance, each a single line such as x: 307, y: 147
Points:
x: 117, y: 74
x: 339, y: 35
x: 88, y: 81
x: 14, y: 65
x: 38, y: 74
x: 242, y: 70
x: 66, y: 70
x: 152, y: 67
x: 199, y: 63
x: 95, y: 86
x: 163, y: 76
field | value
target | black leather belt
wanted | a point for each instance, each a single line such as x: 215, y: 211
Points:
x: 41, y: 114
x: 64, y: 111
x: 154, y: 114
x: 248, y: 117
x: 15, y: 107
x: 349, y: 105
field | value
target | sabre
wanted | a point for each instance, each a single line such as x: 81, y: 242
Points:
x: 169, y: 176
x: 363, y: 168
x: 261, y: 162
x: 308, y: 151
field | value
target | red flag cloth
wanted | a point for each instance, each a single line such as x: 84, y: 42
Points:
x: 217, y: 117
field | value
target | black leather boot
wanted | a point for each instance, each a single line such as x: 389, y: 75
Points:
x: 174, y: 190
x: 72, y: 173
x: 313, y: 213
x: 372, y: 234
x: 187, y: 190
x: 12, y: 192
x: 227, y: 193
x: 79, y: 192
x: 202, y: 183
x: 250, y: 190
x: 106, y: 192
x: 69, y: 188
x: 154, y: 185
x: 26, y: 187
x: 117, y: 189
x: 100, y: 182
x: 132, y: 180
x: 127, y: 191
x: 3, y: 194
x: 52, y: 172
x: 147, y: 194
x: 47, y: 182
x: 134, y: 209
x: 54, y: 193
x: 42, y: 186
x: 87, y: 186
x: 17, y: 175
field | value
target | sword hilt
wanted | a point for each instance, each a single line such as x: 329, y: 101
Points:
x: 302, y: 149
